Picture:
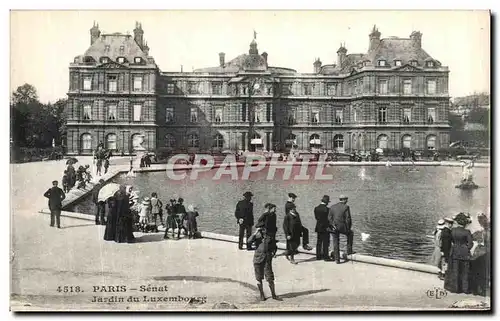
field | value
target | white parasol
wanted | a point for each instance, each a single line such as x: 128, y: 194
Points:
x: 107, y: 191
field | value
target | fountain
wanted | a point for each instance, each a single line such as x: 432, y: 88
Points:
x: 467, y: 177
x: 140, y: 151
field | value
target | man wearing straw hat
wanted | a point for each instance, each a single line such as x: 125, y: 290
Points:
x: 340, y: 221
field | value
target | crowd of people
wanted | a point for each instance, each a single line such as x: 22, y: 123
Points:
x: 128, y: 213
x: 334, y: 220
x: 463, y: 257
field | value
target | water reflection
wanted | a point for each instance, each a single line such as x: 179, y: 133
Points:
x: 397, y: 207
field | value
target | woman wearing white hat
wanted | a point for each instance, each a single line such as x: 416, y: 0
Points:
x: 437, y: 255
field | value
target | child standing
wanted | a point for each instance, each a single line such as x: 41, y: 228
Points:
x: 191, y: 224
x: 144, y: 214
x: 65, y: 182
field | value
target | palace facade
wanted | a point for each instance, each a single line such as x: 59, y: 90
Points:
x: 393, y: 96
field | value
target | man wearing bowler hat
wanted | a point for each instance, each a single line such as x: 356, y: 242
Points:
x: 339, y: 217
x: 322, y: 227
x: 244, y: 218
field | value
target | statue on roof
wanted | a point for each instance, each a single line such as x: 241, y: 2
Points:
x: 254, y: 34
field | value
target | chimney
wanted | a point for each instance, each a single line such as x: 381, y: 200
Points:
x: 317, y: 66
x: 374, y: 39
x: 416, y: 39
x: 341, y: 55
x: 222, y: 59
x: 94, y: 33
x: 139, y: 34
x: 264, y: 55
x: 145, y: 49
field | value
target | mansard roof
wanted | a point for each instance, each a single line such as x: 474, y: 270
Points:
x: 395, y: 48
x: 113, y: 46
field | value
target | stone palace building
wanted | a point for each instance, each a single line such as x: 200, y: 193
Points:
x: 393, y: 96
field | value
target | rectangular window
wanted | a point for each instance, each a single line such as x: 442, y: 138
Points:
x: 339, y: 116
x: 308, y: 89
x: 381, y: 63
x: 169, y: 114
x: 170, y: 88
x: 194, y: 115
x: 216, y: 88
x: 407, y: 86
x: 331, y: 89
x: 268, y: 112
x: 292, y: 120
x: 398, y: 63
x: 407, y: 115
x: 382, y: 87
x: 431, y: 87
x: 315, y: 116
x: 243, y: 112
x: 87, y: 83
x: 431, y: 115
x: 191, y: 87
x: 355, y: 115
x: 382, y: 114
x: 137, y: 112
x: 122, y: 50
x: 112, y: 112
x: 121, y: 60
x: 137, y: 83
x: 87, y: 112
x: 218, y: 115
x: 112, y: 83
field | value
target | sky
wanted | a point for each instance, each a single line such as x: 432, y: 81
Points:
x: 44, y: 43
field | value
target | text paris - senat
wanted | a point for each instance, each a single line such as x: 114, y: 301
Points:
x: 124, y: 288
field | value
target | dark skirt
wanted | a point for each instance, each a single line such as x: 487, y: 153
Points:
x: 110, y: 232
x: 479, y: 280
x: 457, y: 276
x: 124, y: 230
x: 293, y: 244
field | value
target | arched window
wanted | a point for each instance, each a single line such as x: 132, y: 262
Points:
x: 291, y: 140
x: 431, y: 142
x: 193, y: 140
x: 111, y: 142
x: 314, y: 140
x: 382, y: 141
x: 169, y: 141
x: 338, y: 143
x: 406, y: 141
x: 86, y: 142
x: 256, y: 139
x: 218, y: 141
x: 137, y: 141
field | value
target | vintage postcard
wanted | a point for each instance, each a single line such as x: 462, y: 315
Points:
x: 250, y: 160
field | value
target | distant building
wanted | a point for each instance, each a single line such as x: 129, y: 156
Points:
x: 393, y: 96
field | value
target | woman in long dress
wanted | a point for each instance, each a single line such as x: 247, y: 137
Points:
x: 110, y: 232
x: 437, y: 255
x: 480, y: 262
x: 124, y: 226
x: 457, y: 275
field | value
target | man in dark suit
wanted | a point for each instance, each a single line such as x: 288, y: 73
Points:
x: 244, y: 218
x: 55, y: 196
x: 100, y: 206
x: 322, y: 227
x: 446, y: 244
x: 290, y: 204
x: 340, y: 220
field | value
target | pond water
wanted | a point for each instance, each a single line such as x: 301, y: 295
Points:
x: 397, y: 207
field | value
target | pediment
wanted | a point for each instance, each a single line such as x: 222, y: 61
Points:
x: 112, y: 65
x: 407, y: 68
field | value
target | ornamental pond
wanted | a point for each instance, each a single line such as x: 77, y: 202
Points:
x: 398, y: 207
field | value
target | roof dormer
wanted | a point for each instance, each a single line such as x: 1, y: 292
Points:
x: 430, y: 63
x: 121, y: 60
x: 104, y: 60
x: 88, y: 60
x: 398, y: 62
x: 138, y: 60
x: 413, y: 63
x: 382, y: 62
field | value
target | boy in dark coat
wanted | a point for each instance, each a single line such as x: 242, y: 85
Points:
x: 265, y: 250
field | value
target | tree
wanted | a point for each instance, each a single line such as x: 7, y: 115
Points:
x: 24, y: 94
